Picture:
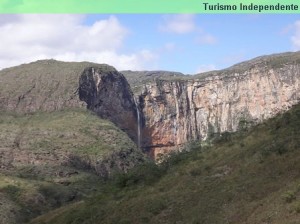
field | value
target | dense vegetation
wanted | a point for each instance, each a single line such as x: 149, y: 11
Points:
x: 247, y: 177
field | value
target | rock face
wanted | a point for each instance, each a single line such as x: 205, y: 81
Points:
x: 173, y: 109
x: 179, y: 111
x: 108, y: 94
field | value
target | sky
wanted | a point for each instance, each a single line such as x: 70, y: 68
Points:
x: 184, y: 43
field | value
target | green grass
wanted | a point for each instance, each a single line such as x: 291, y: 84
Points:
x: 68, y: 129
x: 49, y: 159
x: 248, y: 177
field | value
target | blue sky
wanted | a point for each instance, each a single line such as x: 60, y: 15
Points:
x: 184, y: 43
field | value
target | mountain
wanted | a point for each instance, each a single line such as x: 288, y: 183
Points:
x: 45, y: 85
x: 173, y: 108
x: 177, y: 109
x: 53, y: 150
x: 69, y: 129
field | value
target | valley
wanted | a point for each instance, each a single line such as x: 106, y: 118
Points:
x: 79, y: 142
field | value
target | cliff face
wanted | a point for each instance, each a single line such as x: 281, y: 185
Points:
x: 109, y: 95
x: 183, y: 110
x: 171, y: 109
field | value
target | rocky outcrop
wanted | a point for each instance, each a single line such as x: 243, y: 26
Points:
x: 108, y: 94
x: 179, y: 111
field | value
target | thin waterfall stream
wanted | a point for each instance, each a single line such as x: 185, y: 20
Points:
x: 138, y: 124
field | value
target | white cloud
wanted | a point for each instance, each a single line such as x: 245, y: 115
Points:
x: 296, y: 36
x: 180, y: 24
x: 206, y: 68
x: 26, y: 38
x: 169, y: 46
x: 286, y: 30
x: 206, y: 38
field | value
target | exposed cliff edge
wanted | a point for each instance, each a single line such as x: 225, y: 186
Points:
x: 180, y: 110
x: 173, y: 108
x: 108, y: 94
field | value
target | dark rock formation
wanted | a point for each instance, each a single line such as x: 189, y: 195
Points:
x: 108, y: 94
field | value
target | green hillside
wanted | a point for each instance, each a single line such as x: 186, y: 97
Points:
x: 247, y: 177
x: 49, y: 159
x: 53, y: 151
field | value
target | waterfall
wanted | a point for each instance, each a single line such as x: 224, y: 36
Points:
x: 138, y: 124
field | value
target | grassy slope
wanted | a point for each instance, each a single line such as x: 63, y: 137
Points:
x: 49, y: 146
x: 38, y: 171
x: 248, y: 177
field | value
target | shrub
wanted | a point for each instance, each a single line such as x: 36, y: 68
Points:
x: 297, y: 207
x: 224, y: 137
x: 156, y: 206
x: 12, y: 191
x: 195, y: 172
x: 56, y: 195
x: 147, y: 174
x: 289, y: 196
